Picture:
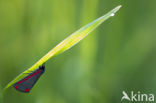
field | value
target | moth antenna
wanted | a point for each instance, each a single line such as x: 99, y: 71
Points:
x: 42, y: 66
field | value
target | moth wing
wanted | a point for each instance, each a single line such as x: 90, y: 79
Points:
x: 26, y: 84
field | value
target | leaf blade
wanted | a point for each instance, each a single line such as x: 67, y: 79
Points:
x: 66, y: 44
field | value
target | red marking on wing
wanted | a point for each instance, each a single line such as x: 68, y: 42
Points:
x: 29, y: 76
x: 16, y: 86
x: 26, y: 90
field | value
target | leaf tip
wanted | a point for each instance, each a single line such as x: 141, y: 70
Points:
x: 116, y: 9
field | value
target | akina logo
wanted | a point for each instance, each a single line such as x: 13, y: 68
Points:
x: 138, y: 96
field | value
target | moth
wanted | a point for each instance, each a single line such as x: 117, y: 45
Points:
x: 26, y: 84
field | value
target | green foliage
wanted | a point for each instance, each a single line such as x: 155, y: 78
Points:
x: 66, y: 44
x: 119, y: 55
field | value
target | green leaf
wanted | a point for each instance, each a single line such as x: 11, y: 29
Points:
x: 66, y: 44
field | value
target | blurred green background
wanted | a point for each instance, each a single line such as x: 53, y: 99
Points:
x: 120, y: 55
